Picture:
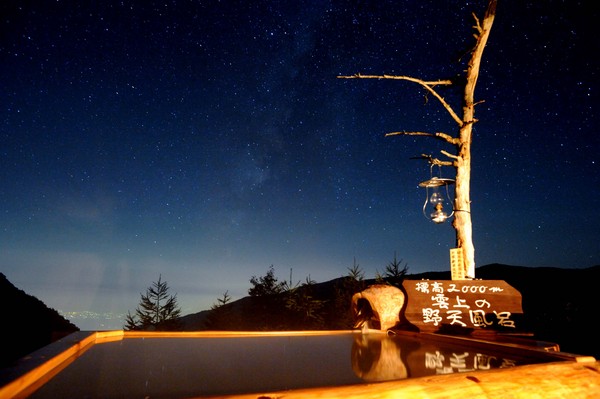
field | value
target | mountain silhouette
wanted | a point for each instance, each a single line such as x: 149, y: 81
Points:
x: 27, y: 323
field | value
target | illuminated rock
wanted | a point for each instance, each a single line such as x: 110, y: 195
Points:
x: 377, y: 307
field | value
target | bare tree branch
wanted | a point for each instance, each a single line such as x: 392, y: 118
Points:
x: 438, y: 135
x: 446, y: 153
x: 397, y: 77
x: 428, y: 85
x: 436, y: 161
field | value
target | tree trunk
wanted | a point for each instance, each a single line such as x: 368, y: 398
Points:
x: 462, y: 205
x: 462, y: 202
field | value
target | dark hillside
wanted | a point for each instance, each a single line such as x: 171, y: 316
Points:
x: 27, y: 323
x: 559, y: 304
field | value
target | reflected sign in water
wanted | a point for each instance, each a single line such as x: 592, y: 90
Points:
x: 206, y: 366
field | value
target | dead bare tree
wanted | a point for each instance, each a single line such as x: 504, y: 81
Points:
x: 461, y: 160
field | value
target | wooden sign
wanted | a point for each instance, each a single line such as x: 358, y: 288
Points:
x: 463, y: 306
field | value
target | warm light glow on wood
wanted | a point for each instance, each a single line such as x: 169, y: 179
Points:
x: 565, y: 380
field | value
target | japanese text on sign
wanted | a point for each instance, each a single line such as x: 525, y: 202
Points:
x: 462, y: 305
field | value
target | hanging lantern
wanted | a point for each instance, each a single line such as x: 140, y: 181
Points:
x: 437, y: 186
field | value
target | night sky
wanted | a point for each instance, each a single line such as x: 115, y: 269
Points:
x: 205, y: 141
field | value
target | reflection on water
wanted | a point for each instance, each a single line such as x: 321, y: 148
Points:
x: 379, y: 357
x: 185, y: 367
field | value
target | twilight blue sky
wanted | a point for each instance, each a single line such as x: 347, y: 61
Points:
x: 207, y: 140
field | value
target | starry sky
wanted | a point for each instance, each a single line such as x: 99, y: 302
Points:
x: 204, y: 141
